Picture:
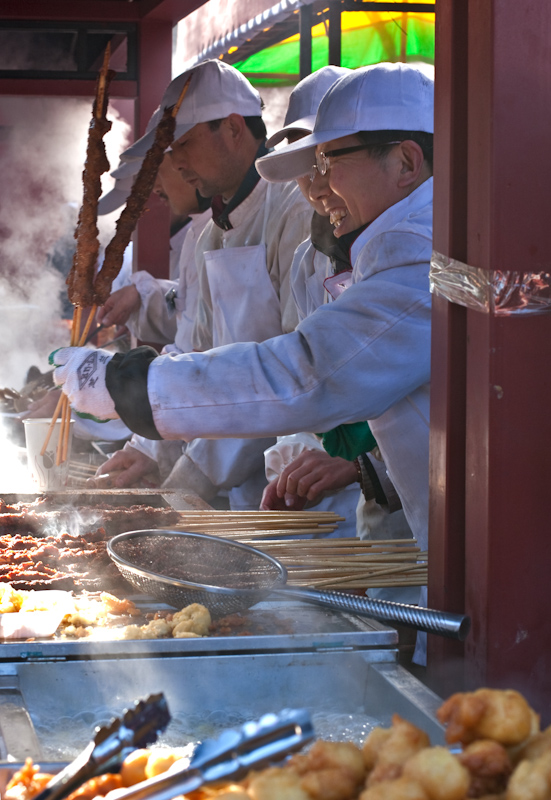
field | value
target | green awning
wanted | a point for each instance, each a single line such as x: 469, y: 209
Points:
x: 368, y: 37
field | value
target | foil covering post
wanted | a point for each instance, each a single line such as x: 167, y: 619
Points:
x: 498, y: 292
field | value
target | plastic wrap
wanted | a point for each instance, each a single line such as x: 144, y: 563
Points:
x: 502, y: 293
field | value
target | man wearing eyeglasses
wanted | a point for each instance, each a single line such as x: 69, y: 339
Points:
x: 364, y: 356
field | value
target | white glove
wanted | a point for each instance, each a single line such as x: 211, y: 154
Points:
x: 81, y: 373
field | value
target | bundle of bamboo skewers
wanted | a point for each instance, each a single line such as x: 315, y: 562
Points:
x: 324, y: 563
x: 85, y: 288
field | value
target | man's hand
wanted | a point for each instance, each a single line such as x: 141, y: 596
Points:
x: 119, y: 306
x: 81, y: 374
x: 43, y: 408
x: 271, y: 502
x: 132, y: 466
x: 310, y: 475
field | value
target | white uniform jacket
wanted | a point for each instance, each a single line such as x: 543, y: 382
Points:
x: 309, y: 270
x: 278, y: 218
x: 158, y: 321
x: 364, y: 356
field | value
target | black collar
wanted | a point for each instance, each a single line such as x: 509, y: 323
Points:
x: 221, y: 210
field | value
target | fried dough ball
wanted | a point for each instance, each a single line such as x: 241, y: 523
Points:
x: 373, y: 745
x: 439, y: 773
x: 97, y: 787
x: 276, y: 783
x: 330, y: 770
x: 531, y: 780
x: 229, y: 793
x: 536, y: 746
x: 160, y: 761
x: 194, y: 618
x: 133, y: 767
x: 388, y: 754
x: 489, y: 766
x: 503, y: 716
x: 26, y: 782
x: 156, y: 629
x: 399, y: 789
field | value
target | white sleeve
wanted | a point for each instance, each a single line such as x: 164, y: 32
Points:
x: 286, y: 450
x: 154, y: 321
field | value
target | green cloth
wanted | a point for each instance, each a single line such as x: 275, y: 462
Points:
x: 348, y: 441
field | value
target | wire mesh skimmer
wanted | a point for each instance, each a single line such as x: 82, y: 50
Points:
x: 180, y: 568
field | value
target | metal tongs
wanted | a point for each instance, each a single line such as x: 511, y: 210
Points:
x: 231, y: 756
x: 136, y: 728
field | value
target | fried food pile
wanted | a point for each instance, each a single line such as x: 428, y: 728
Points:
x: 138, y: 766
x: 502, y: 756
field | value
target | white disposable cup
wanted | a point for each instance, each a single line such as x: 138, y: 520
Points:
x: 44, y: 471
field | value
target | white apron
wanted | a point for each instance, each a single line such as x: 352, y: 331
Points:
x: 246, y: 308
x: 245, y: 304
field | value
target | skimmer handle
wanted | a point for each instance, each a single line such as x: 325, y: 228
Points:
x: 442, y: 623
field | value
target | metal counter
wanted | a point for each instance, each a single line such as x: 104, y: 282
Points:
x: 341, y: 668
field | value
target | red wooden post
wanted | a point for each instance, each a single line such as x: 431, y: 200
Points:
x: 447, y: 454
x: 508, y: 376
x: 155, y: 55
x: 508, y: 379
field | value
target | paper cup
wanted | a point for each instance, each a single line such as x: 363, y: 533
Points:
x: 43, y: 469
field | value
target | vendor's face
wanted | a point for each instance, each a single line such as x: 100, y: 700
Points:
x: 173, y: 189
x: 205, y: 160
x: 304, y: 180
x: 357, y: 187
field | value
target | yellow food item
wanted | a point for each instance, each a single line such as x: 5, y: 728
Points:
x: 503, y: 716
x: 160, y: 761
x: 133, y: 767
x: 531, y: 780
x: 26, y: 782
x: 439, y: 773
x: 386, y: 752
x: 489, y: 766
x: 194, y: 618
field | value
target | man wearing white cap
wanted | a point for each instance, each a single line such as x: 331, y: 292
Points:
x: 243, y: 256
x: 148, y: 305
x: 364, y: 356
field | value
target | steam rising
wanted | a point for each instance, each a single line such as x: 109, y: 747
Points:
x: 42, y: 156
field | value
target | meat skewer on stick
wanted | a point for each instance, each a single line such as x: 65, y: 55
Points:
x: 81, y: 277
x: 143, y: 185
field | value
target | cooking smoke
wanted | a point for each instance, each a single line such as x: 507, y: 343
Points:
x: 42, y: 155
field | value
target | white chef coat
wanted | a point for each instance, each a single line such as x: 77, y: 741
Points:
x: 364, y: 356
x: 245, y: 296
x: 309, y: 270
x: 158, y: 321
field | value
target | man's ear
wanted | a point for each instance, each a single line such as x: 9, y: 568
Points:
x: 412, y: 160
x: 235, y: 126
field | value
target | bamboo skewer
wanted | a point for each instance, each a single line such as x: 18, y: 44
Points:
x: 77, y: 339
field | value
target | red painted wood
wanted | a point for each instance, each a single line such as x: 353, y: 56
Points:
x: 155, y: 55
x: 99, y: 10
x: 508, y: 460
x: 64, y: 88
x: 447, y: 453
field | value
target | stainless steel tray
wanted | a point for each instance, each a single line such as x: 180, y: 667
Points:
x: 347, y: 694
x: 313, y: 628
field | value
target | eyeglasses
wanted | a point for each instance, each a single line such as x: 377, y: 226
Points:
x: 323, y: 164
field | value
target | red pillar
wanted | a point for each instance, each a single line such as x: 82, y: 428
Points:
x: 447, y: 461
x: 508, y: 379
x: 155, y: 56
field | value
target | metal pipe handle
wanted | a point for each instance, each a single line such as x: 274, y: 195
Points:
x: 442, y: 623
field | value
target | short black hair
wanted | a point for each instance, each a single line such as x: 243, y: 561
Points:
x: 256, y: 126
x: 377, y: 139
